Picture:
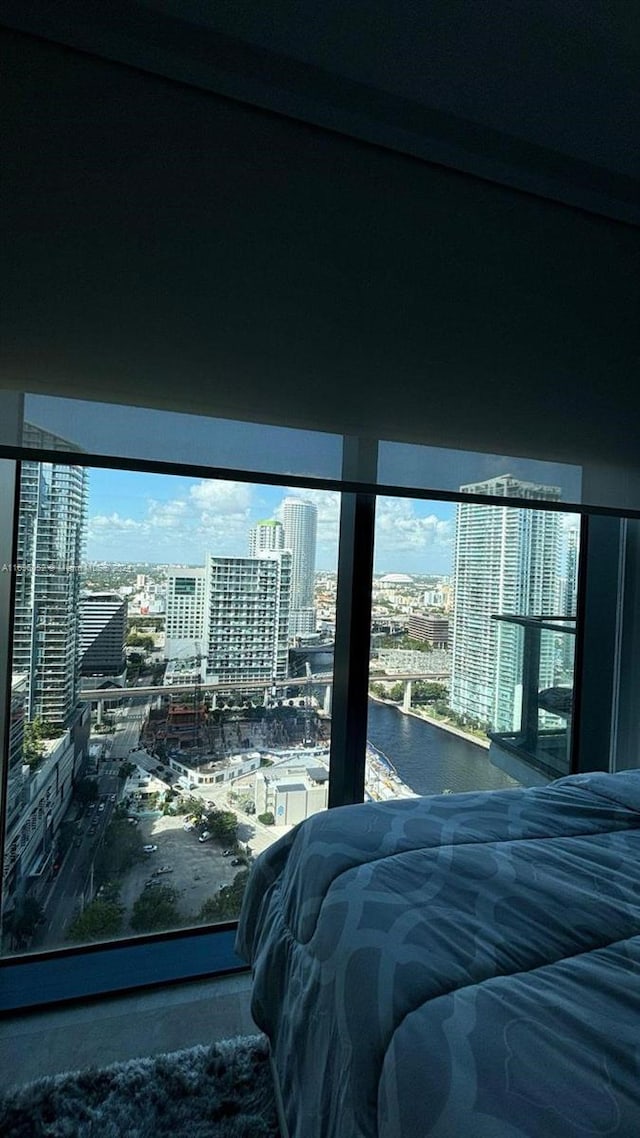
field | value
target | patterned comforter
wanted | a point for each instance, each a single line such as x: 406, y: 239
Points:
x: 457, y: 966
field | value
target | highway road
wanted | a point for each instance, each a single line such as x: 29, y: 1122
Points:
x: 72, y: 886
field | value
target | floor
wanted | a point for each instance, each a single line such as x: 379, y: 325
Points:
x: 126, y: 1027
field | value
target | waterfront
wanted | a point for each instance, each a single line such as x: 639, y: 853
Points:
x: 429, y: 759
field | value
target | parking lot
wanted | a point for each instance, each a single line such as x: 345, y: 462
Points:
x: 198, y: 868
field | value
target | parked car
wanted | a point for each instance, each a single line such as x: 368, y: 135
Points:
x: 205, y: 837
x: 188, y: 826
x: 112, y: 798
x: 237, y: 861
x: 101, y: 807
x: 149, y: 849
x: 164, y: 869
x: 226, y: 853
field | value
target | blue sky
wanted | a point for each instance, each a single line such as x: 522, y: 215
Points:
x: 170, y: 519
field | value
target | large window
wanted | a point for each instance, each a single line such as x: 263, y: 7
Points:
x: 206, y: 643
x: 171, y: 683
x: 472, y: 644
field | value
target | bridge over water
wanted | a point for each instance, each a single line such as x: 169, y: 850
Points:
x: 272, y: 689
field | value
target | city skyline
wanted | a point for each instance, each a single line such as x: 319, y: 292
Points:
x: 168, y: 519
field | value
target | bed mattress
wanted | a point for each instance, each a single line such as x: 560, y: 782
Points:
x: 456, y: 965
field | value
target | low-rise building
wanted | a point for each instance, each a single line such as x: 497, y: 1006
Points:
x: 291, y: 794
x: 430, y: 628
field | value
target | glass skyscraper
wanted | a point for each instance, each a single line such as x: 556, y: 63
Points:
x: 53, y: 502
x: 300, y: 520
x: 506, y: 562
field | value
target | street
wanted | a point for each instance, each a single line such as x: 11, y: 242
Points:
x: 199, y: 869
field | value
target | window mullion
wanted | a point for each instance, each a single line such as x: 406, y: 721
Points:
x: 353, y: 628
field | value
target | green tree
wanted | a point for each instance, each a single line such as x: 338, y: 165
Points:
x: 156, y: 910
x: 22, y: 923
x: 425, y: 692
x: 33, y: 746
x: 101, y: 920
x: 396, y: 692
x: 135, y: 640
x: 267, y: 818
x: 226, y: 905
x: 223, y: 824
x: 126, y: 769
x: 402, y: 642
x: 121, y: 849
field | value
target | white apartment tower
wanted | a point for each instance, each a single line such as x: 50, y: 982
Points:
x: 506, y: 562
x: 248, y: 616
x: 46, y: 636
x: 300, y: 521
x: 264, y: 536
x: 185, y: 613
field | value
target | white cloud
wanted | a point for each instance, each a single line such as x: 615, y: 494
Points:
x: 221, y: 498
x: 209, y: 517
x: 114, y: 522
x: 398, y: 526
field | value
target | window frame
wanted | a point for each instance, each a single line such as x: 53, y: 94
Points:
x: 81, y: 972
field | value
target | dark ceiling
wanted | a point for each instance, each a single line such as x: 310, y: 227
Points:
x: 542, y: 95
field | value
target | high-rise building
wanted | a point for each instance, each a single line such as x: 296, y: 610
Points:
x: 506, y: 562
x: 51, y: 529
x: 248, y: 616
x: 265, y: 535
x: 46, y: 671
x: 16, y: 782
x: 103, y: 630
x: 568, y: 579
x: 185, y: 608
x: 300, y: 520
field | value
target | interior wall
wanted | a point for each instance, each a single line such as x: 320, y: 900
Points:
x: 166, y: 246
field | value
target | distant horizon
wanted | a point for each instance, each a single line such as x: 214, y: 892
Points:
x: 140, y: 518
x: 144, y: 519
x: 198, y: 565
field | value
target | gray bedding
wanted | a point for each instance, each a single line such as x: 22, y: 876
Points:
x: 458, y: 965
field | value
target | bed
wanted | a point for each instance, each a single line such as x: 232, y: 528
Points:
x: 455, y: 966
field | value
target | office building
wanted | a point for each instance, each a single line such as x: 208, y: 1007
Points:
x: 185, y: 607
x: 300, y: 520
x: 248, y: 616
x: 430, y: 628
x: 50, y: 544
x: 103, y: 630
x: 266, y: 535
x: 506, y: 562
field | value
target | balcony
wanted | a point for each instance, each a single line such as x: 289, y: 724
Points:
x: 535, y: 691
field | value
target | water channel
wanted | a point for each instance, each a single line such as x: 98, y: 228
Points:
x: 431, y: 760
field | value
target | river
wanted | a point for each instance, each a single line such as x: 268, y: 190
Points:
x: 431, y: 760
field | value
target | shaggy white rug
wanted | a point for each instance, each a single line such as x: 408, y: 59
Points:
x: 222, y: 1091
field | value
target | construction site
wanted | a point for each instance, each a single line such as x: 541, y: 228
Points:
x: 199, y: 732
